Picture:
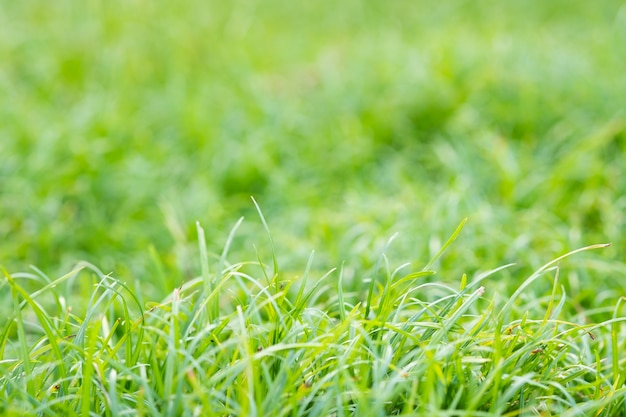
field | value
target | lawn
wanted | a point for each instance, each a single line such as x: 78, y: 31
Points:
x: 313, y: 208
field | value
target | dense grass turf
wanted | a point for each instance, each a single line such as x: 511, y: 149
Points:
x: 246, y: 342
x: 125, y: 123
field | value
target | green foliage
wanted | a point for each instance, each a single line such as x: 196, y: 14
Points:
x: 127, y: 125
x: 418, y: 347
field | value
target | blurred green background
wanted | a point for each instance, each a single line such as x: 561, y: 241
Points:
x: 122, y: 123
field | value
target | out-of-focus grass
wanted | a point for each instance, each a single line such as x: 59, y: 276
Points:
x: 125, y: 122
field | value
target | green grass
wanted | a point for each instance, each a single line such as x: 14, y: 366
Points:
x: 134, y: 133
x: 282, y: 347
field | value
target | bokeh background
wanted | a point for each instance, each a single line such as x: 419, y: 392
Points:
x: 122, y: 123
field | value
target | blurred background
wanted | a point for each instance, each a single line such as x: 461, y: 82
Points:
x: 122, y: 123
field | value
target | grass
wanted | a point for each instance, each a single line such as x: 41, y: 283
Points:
x: 283, y: 347
x: 133, y: 135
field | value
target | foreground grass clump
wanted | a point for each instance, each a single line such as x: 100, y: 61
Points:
x: 245, y: 341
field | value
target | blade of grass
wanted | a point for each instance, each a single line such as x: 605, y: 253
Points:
x: 47, y: 326
x: 450, y: 240
x: 229, y: 240
x: 370, y: 293
x: 340, y: 300
x: 272, y: 246
x: 204, y: 263
x: 21, y: 334
x: 540, y: 271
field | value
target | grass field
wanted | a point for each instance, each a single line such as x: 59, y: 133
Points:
x: 434, y: 187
